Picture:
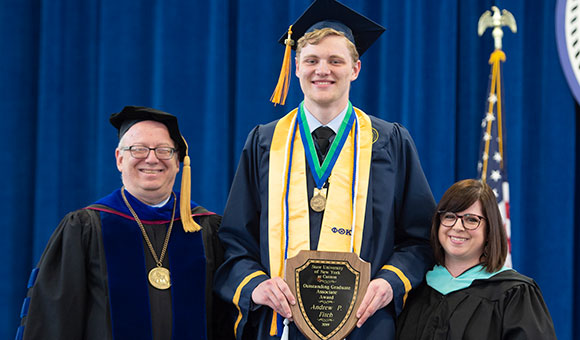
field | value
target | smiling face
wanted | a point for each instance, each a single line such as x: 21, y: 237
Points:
x: 150, y: 180
x: 326, y: 70
x: 463, y: 247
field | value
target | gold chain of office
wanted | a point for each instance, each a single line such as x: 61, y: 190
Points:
x: 159, y: 277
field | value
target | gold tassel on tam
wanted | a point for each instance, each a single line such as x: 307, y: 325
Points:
x: 189, y: 224
x: 281, y: 90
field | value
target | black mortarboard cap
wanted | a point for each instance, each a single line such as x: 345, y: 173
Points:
x: 132, y: 115
x: 359, y: 29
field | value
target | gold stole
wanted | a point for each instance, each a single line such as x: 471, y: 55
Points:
x: 338, y: 217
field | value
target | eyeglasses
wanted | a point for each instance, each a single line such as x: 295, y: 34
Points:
x: 142, y: 152
x: 470, y: 221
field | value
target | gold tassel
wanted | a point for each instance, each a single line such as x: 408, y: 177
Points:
x: 496, y: 55
x: 281, y: 90
x: 274, y: 325
x: 189, y: 224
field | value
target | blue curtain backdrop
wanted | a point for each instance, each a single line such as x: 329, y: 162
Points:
x: 66, y: 65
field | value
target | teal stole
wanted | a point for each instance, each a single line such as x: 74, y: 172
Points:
x: 442, y: 281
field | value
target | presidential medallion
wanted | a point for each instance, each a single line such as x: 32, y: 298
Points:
x: 318, y: 200
x: 159, y: 278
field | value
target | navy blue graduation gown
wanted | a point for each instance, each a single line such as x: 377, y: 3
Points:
x: 398, y: 215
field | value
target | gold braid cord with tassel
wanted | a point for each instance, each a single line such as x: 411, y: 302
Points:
x: 281, y: 90
x: 189, y: 224
x: 495, y: 60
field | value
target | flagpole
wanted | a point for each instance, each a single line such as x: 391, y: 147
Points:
x: 492, y: 166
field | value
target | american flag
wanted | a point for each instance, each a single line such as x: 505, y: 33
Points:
x: 492, y: 163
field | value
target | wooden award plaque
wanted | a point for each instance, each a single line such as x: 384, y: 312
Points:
x: 329, y: 287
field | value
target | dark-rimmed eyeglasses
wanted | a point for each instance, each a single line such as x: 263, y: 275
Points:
x: 469, y: 221
x: 142, y: 152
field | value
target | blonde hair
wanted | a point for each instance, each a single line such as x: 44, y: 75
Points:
x: 314, y: 37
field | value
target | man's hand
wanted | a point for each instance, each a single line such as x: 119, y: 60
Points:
x: 378, y: 295
x: 275, y: 294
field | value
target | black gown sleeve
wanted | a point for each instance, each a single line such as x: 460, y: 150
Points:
x: 68, y: 297
x: 243, y: 268
x: 220, y: 313
x: 526, y: 315
x: 413, y: 208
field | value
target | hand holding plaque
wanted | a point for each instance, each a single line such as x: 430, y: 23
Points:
x: 329, y: 287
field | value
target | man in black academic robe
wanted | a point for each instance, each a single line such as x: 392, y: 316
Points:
x: 99, y: 275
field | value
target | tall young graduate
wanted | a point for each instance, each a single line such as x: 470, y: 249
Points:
x: 327, y: 176
x: 138, y: 263
x: 469, y: 294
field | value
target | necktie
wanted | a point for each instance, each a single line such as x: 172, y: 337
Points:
x: 324, y: 136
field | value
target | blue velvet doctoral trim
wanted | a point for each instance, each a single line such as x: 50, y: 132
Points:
x: 32, y: 278
x: 187, y: 266
x: 442, y: 281
x: 127, y: 273
x: 25, y: 306
x: 147, y: 214
x: 19, y: 333
x: 127, y: 277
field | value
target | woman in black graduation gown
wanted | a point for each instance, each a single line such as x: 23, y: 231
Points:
x: 469, y: 294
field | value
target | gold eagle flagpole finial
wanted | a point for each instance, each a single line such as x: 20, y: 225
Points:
x: 497, y: 21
